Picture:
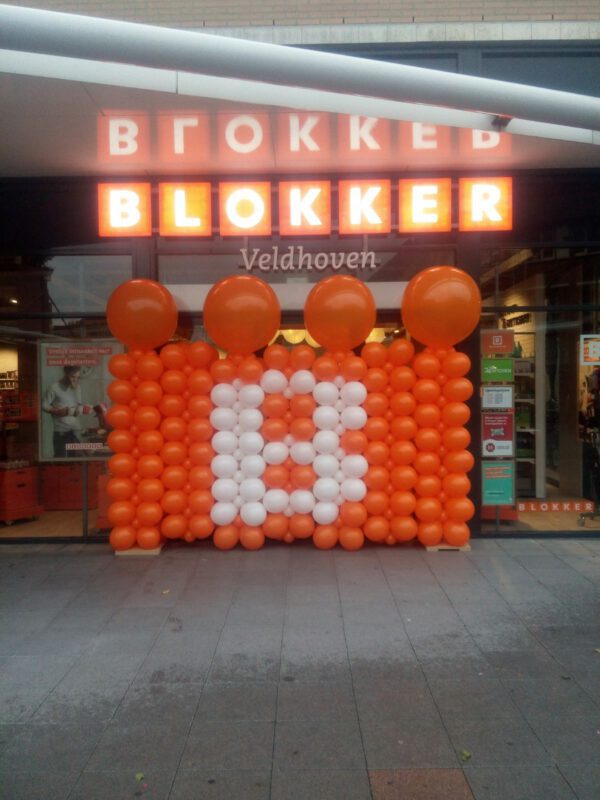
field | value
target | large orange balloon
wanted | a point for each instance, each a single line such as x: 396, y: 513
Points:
x: 441, y: 306
x: 141, y: 314
x: 241, y: 314
x: 340, y: 312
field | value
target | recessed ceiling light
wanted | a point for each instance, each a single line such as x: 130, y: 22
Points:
x: 14, y: 300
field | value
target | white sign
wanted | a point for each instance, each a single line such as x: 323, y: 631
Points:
x: 497, y: 397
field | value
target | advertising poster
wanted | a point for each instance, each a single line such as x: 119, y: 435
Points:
x: 497, y: 370
x: 497, y: 433
x: 73, y: 393
x: 498, y: 483
x: 589, y: 390
x: 497, y: 397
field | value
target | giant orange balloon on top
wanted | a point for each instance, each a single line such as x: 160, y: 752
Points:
x: 441, y: 306
x: 141, y: 314
x: 241, y: 314
x: 340, y: 312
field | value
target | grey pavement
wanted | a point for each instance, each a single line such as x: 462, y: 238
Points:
x: 295, y: 674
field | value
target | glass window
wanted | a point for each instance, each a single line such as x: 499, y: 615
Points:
x: 85, y: 282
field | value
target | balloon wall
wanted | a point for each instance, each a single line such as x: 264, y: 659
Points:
x: 347, y: 443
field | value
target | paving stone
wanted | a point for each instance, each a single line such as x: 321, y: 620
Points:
x: 221, y: 785
x: 48, y: 785
x: 472, y: 697
x: 419, y: 784
x: 139, y: 747
x: 50, y: 748
x: 584, y: 779
x: 149, y: 784
x: 320, y: 784
x: 497, y: 742
x: 238, y: 701
x: 517, y: 783
x: 228, y: 745
x: 304, y: 702
x: 406, y: 743
x: 570, y: 739
x: 318, y: 745
x: 394, y: 700
x: 555, y: 696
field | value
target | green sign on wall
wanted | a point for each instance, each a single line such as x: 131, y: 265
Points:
x: 497, y: 369
x: 498, y: 483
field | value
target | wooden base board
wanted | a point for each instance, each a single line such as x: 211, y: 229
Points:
x: 138, y: 551
x: 466, y: 548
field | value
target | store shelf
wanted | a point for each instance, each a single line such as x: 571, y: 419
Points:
x: 526, y: 460
x: 526, y: 430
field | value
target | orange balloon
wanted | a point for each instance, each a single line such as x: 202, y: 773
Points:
x: 325, y: 537
x: 302, y: 357
x: 456, y: 484
x: 174, y: 477
x: 226, y: 537
x: 174, y: 526
x: 351, y: 538
x: 150, y: 490
x: 122, y: 465
x: 441, y: 306
x: 376, y: 528
x: 376, y: 379
x: 427, y: 463
x: 150, y: 442
x: 302, y: 429
x: 174, y: 501
x: 456, y: 438
x: 377, y: 478
x: 376, y: 428
x: 199, y: 381
x: 198, y: 407
x: 201, y: 355
x: 251, y: 538
x: 200, y: 526
x: 141, y: 314
x: 353, y: 368
x: 276, y: 356
x: 122, y: 366
x: 400, y: 352
x: 427, y: 415
x: 148, y: 537
x: 403, y: 428
x: 122, y: 537
x: 402, y: 379
x: 201, y: 477
x: 173, y: 452
x: 458, y: 389
x: 430, y: 533
x: 121, y: 391
x: 150, y: 466
x: 302, y: 476
x: 241, y: 314
x: 455, y: 414
x: 148, y: 393
x: 402, y: 503
x: 274, y: 430
x: 121, y: 512
x: 455, y: 365
x: 459, y: 461
x: 173, y: 381
x: 301, y: 526
x: 354, y: 442
x: 376, y: 404
x: 426, y: 390
x: 428, y: 486
x: 301, y: 405
x: 173, y: 429
x: 275, y: 405
x: 120, y: 488
x: 403, y: 452
x: 374, y: 354
x: 275, y: 526
x: 149, y: 367
x: 276, y: 476
x: 149, y: 514
x: 353, y: 514
x: 376, y: 502
x: 428, y: 509
x: 403, y: 529
x: 377, y: 453
x: 250, y: 370
x: 120, y: 441
x: 173, y: 356
x: 428, y: 440
x: 223, y: 370
x: 147, y: 418
x: 340, y: 312
x: 200, y: 453
x: 426, y: 365
x: 403, y: 477
x: 460, y: 509
x: 456, y: 533
x: 402, y: 404
x: 325, y: 368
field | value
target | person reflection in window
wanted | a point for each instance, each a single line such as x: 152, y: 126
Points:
x: 63, y: 402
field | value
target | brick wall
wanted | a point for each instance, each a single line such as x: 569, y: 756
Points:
x: 236, y: 13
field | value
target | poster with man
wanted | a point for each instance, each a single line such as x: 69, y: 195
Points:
x: 74, y: 381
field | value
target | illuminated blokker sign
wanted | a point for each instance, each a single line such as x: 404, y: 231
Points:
x: 304, y: 207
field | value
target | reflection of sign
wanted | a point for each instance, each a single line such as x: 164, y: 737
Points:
x: 589, y: 351
x: 294, y: 259
x: 496, y: 369
x: 556, y: 505
x: 498, y: 483
x: 497, y: 432
x: 497, y: 397
x: 520, y: 319
x: 497, y: 342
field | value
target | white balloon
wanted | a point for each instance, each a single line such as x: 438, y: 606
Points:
x: 224, y: 442
x: 224, y: 490
x: 340, y: 453
x: 223, y: 419
x: 339, y: 381
x: 353, y: 393
x: 339, y: 476
x: 276, y: 501
x: 251, y: 443
x: 326, y: 441
x: 250, y: 420
x: 325, y: 513
x: 273, y: 380
x: 239, y: 476
x: 288, y: 393
x: 223, y: 395
x: 339, y: 406
x: 302, y: 452
x: 275, y: 452
x: 326, y: 489
x: 253, y: 466
x: 302, y: 501
x: 325, y: 418
x: 289, y: 511
x: 326, y: 393
x: 339, y: 500
x: 236, y: 429
x: 354, y: 418
x: 223, y: 513
x: 237, y: 453
x: 237, y: 384
x: 224, y: 466
x: 353, y: 489
x: 288, y: 440
x: 237, y: 407
x: 251, y: 490
x: 325, y: 466
x: 339, y: 429
x: 253, y: 514
x: 251, y: 396
x: 238, y: 502
x: 354, y: 466
x: 302, y: 382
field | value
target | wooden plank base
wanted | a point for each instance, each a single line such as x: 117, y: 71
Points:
x: 466, y: 548
x: 139, y: 551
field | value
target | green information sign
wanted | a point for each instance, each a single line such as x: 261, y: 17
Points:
x: 498, y: 483
x: 497, y: 369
